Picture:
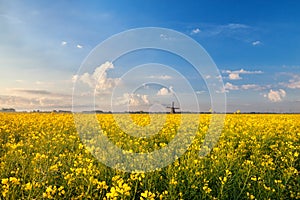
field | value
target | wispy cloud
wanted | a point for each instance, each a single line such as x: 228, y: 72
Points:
x: 200, y: 92
x: 235, y: 75
x: 236, y: 26
x: 161, y: 77
x: 63, y: 43
x: 255, y: 43
x: 37, y: 93
x: 229, y: 30
x: 24, y: 99
x: 242, y: 71
x: 29, y: 91
x: 250, y: 86
x: 294, y: 85
x: 294, y: 82
x: 230, y: 86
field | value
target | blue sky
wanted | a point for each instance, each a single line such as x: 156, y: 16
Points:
x: 254, y: 44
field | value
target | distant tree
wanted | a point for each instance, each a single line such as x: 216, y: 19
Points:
x: 8, y: 110
x: 237, y: 112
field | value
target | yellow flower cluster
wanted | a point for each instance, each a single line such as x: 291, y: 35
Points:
x: 42, y: 156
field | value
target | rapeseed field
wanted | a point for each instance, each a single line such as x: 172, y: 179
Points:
x: 42, y: 156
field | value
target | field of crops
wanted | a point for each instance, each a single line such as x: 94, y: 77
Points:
x: 256, y: 157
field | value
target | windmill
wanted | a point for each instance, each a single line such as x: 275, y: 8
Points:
x: 172, y: 111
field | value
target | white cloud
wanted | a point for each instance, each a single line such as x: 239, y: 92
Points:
x: 74, y: 78
x: 293, y: 84
x: 236, y: 26
x: 161, y: 77
x: 35, y: 99
x: 98, y: 79
x: 234, y: 76
x: 242, y: 71
x: 195, y: 31
x: 200, y: 92
x: 164, y: 92
x: 79, y: 46
x: 135, y: 99
x: 165, y: 37
x: 276, y: 95
x: 250, y: 86
x: 229, y: 86
x: 63, y: 43
x: 255, y: 43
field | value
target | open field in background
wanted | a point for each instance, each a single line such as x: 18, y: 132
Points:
x: 257, y: 157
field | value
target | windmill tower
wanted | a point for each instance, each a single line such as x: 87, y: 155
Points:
x: 172, y: 108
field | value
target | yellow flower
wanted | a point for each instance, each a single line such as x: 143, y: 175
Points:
x: 4, y: 181
x: 28, y: 186
x: 206, y: 189
x: 147, y: 195
x: 14, y: 180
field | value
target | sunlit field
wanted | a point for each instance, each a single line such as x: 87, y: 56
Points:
x: 256, y: 157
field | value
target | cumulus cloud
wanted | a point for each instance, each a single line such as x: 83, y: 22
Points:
x: 255, y: 43
x: 275, y: 95
x: 234, y: 76
x: 165, y: 91
x: 98, y: 79
x: 195, y: 31
x: 133, y: 99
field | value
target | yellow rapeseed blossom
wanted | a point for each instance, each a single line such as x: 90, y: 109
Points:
x: 28, y: 186
x: 4, y: 181
x: 45, y: 156
x: 147, y: 195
